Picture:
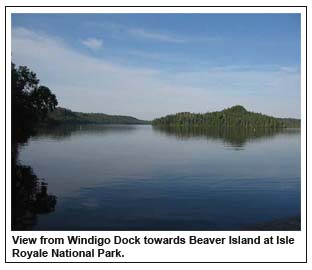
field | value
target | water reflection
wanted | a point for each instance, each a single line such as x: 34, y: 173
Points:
x: 142, y: 178
x: 234, y: 137
x: 29, y: 198
x: 29, y: 194
x: 62, y: 132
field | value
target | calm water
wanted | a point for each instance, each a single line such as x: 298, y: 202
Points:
x: 142, y: 178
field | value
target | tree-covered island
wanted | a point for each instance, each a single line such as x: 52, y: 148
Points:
x: 234, y: 117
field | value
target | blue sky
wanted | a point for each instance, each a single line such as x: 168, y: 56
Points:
x: 148, y: 65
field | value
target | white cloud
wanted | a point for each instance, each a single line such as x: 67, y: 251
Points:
x: 85, y: 83
x: 93, y: 43
x: 141, y: 33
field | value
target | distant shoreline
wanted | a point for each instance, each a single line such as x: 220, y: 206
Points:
x: 66, y: 116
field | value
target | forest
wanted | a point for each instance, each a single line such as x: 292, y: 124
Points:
x: 66, y: 116
x: 236, y: 116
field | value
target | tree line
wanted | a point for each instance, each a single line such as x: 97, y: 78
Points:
x: 31, y: 102
x: 236, y: 116
x: 66, y: 116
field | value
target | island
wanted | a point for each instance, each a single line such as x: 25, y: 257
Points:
x: 233, y: 117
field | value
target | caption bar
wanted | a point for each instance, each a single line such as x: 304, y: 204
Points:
x: 101, y: 247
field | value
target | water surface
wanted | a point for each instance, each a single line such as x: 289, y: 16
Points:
x: 114, y: 177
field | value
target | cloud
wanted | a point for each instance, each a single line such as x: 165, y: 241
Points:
x: 85, y: 83
x: 139, y: 33
x: 93, y: 43
x: 121, y: 31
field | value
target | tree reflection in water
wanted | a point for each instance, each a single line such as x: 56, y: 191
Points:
x: 31, y: 103
x: 29, y: 198
x: 235, y: 137
x: 29, y: 194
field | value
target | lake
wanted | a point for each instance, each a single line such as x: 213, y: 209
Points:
x: 136, y: 177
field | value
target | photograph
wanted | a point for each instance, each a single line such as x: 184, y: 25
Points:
x: 155, y: 121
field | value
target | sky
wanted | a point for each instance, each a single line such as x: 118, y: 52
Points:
x: 151, y: 65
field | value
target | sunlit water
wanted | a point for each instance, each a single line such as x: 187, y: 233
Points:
x: 142, y: 178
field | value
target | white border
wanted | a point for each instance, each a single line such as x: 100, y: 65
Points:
x: 178, y: 253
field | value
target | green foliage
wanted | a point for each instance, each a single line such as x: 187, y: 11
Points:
x: 236, y: 116
x: 65, y: 116
x: 30, y: 102
x: 291, y: 122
